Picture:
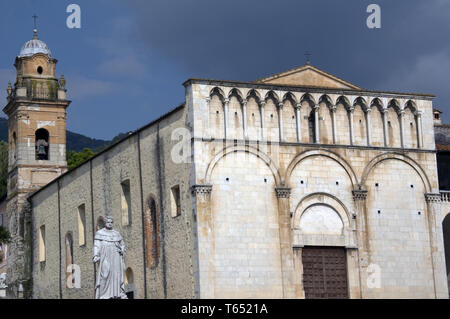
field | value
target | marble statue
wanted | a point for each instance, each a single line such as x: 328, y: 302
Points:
x: 109, y: 251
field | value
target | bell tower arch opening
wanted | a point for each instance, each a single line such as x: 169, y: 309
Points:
x: 42, y: 144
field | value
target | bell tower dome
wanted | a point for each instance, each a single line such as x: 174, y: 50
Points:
x: 36, y: 110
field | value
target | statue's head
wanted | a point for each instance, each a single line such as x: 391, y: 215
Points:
x: 109, y: 222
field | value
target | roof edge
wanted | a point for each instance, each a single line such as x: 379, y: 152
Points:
x: 305, y: 88
x: 305, y: 67
x: 132, y: 133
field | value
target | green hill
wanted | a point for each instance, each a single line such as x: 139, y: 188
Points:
x: 75, y: 142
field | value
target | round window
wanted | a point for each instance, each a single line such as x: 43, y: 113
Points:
x: 40, y: 70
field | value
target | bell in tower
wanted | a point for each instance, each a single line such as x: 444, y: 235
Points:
x: 36, y: 110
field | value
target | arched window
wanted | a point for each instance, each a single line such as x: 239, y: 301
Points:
x: 82, y: 225
x: 42, y: 243
x: 42, y: 144
x: 151, y: 231
x: 69, y: 257
x: 126, y: 203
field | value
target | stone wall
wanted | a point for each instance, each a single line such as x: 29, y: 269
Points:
x: 255, y: 190
x: 97, y: 185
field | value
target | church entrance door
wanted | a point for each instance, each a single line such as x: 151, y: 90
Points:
x: 324, y: 272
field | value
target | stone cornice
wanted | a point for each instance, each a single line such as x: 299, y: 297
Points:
x: 359, y: 195
x: 433, y: 197
x: 310, y: 89
x: 283, y: 192
x: 201, y: 189
x: 19, y: 101
x: 313, y: 145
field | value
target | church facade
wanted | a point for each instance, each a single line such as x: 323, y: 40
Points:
x: 298, y: 185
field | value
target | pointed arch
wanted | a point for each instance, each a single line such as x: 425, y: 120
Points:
x: 216, y: 114
x: 271, y: 117
x: 410, y: 104
x: 342, y: 120
x: 376, y: 102
x: 289, y: 118
x: 309, y: 98
x: 272, y: 95
x: 395, y: 104
x: 325, y: 120
x: 254, y: 112
x: 290, y: 97
x: 360, y: 122
x: 393, y: 123
x: 255, y: 94
x: 361, y: 102
x: 344, y: 101
x: 217, y: 91
x: 235, y: 120
x: 410, y: 130
x: 326, y: 99
x: 236, y: 93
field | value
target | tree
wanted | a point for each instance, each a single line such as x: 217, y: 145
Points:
x: 76, y: 158
x: 5, y: 236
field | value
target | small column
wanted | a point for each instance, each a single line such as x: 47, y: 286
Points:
x: 299, y: 128
x: 437, y: 244
x: 385, y: 127
x: 287, y: 256
x: 352, y: 130
x: 280, y: 120
x: 359, y: 198
x: 368, y: 128
x: 402, y: 127
x: 419, y: 129
x: 263, y: 135
x: 244, y: 118
x: 316, y: 124
x: 333, y: 121
x: 226, y: 102
x: 207, y: 131
x: 201, y: 198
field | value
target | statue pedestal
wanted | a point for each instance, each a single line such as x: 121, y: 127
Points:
x: 2, y: 292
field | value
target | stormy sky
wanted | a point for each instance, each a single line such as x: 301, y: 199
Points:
x: 126, y: 65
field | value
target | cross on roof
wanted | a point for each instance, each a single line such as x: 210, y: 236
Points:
x: 307, y: 55
x: 35, y: 21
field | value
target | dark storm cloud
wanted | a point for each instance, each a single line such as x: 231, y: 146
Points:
x: 248, y: 39
x: 125, y: 66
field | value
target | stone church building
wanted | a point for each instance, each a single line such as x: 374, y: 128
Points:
x: 297, y: 185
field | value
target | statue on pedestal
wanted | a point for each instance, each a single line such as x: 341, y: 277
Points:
x: 109, y: 251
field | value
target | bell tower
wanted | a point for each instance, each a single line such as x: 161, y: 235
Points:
x: 36, y: 110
